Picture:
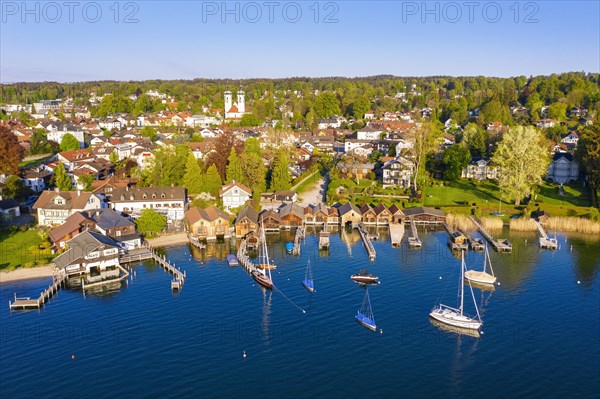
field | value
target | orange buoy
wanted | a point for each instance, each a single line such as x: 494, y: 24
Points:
x: 73, y: 356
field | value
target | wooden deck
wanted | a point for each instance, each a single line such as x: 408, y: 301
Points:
x: 324, y: 238
x: 244, y: 259
x: 500, y: 246
x: 298, y: 240
x: 135, y: 255
x: 367, y: 241
x: 455, y: 246
x: 58, y: 282
x: 178, y: 276
x: 124, y: 275
x: 195, y: 242
x: 396, y: 233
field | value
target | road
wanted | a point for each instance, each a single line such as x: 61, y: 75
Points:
x: 316, y: 194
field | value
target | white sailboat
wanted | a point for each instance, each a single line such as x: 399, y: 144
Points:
x: 482, y: 277
x: 456, y: 317
x: 263, y: 275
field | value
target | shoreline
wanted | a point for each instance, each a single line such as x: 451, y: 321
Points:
x: 168, y: 240
x: 26, y: 273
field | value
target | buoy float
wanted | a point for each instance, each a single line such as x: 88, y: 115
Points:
x: 244, y: 355
x: 73, y: 356
x: 440, y: 277
x: 578, y: 282
x: 381, y: 331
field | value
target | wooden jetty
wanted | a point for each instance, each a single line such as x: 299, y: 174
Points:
x: 195, y: 242
x: 123, y: 276
x: 58, y: 281
x: 396, y: 233
x: 456, y: 239
x: 414, y: 240
x: 244, y: 259
x: 545, y: 241
x: 367, y: 241
x: 135, y: 255
x: 500, y: 246
x: 324, y: 238
x: 476, y: 244
x: 298, y: 240
x: 178, y: 275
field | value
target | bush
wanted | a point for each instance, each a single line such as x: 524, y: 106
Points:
x: 594, y: 214
x: 571, y: 212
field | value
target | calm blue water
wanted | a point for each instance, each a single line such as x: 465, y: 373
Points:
x: 541, y: 328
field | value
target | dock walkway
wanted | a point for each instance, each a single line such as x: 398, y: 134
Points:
x: 396, y: 233
x: 324, y: 238
x: 58, y: 282
x: 298, y: 240
x: 195, y: 242
x: 456, y: 246
x: 545, y: 241
x: 367, y: 241
x: 179, y: 276
x: 414, y: 240
x: 244, y: 259
x: 500, y: 246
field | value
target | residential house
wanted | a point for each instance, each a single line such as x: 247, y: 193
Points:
x: 292, y: 215
x: 578, y: 112
x: 9, y: 209
x: 246, y: 222
x: 70, y: 159
x: 168, y: 201
x: 571, y: 139
x: 563, y: 168
x: 369, y: 133
x: 332, y: 122
x: 349, y: 214
x: 480, y: 169
x: 91, y: 254
x: 37, y: 179
x: 75, y: 224
x: 234, y: 195
x: 208, y: 224
x: 422, y: 214
x: 397, y: 172
x: 370, y: 114
x: 355, y: 170
x: 383, y: 215
x: 545, y: 123
x: 115, y: 225
x: 54, y: 207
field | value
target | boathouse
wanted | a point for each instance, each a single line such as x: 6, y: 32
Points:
x: 350, y: 214
x: 246, y: 221
x: 270, y: 219
x: 383, y: 215
x: 368, y: 214
x: 207, y: 224
x: 291, y: 216
x: 424, y: 215
x: 396, y: 213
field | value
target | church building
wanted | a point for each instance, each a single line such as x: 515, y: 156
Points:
x: 235, y: 110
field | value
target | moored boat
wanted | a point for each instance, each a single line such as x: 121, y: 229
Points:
x: 364, y: 316
x: 232, y: 260
x: 308, y: 282
x: 482, y: 277
x: 289, y: 247
x: 363, y: 276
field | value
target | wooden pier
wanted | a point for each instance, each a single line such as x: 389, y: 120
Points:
x: 476, y: 244
x: 58, y: 281
x: 135, y: 255
x: 244, y: 259
x: 414, y: 240
x: 545, y: 241
x: 124, y: 275
x: 367, y: 241
x: 396, y: 233
x: 195, y: 242
x: 500, y: 246
x: 324, y: 238
x: 179, y: 276
x: 298, y: 240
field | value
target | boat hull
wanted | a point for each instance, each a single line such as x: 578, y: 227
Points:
x: 308, y: 285
x: 262, y: 279
x: 365, y: 279
x: 454, y: 319
x: 365, y: 321
x: 232, y: 260
x: 480, y: 277
x: 265, y: 267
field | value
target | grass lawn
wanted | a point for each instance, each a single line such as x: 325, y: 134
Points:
x: 462, y: 192
x: 573, y: 194
x: 21, y: 249
x: 34, y: 162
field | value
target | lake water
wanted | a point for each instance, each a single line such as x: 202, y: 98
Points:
x: 541, y: 328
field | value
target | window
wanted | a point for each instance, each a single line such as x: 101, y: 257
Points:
x: 153, y: 195
x: 145, y: 196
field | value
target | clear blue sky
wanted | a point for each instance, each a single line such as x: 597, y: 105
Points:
x: 189, y: 39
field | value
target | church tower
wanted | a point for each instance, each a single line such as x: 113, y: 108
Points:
x: 241, y: 101
x: 228, y: 102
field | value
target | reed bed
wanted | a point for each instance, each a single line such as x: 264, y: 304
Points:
x: 491, y: 223
x: 573, y: 224
x: 460, y: 222
x: 522, y: 224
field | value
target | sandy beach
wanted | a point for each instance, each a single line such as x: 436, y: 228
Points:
x: 165, y: 241
x: 26, y: 273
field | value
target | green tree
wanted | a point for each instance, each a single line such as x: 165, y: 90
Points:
x: 474, y: 138
x: 86, y: 181
x: 523, y: 160
x: 557, y: 111
x: 360, y: 107
x: 149, y: 132
x: 113, y: 157
x: 455, y: 158
x: 252, y: 146
x: 167, y: 166
x: 326, y: 105
x: 427, y: 139
x: 588, y: 155
x: 234, y: 167
x: 150, y: 222
x: 254, y: 171
x: 61, y: 179
x: 280, y: 176
x: 38, y: 143
x: 11, y: 152
x: 249, y: 120
x: 69, y: 143
x: 213, y: 181
x: 15, y: 188
x: 194, y: 178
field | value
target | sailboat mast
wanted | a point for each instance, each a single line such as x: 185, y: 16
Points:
x: 462, y: 284
x: 490, y: 262
x: 485, y: 258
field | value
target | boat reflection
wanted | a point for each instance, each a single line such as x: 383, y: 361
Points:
x: 455, y: 330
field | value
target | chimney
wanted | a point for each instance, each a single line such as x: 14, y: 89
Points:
x: 57, y: 190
